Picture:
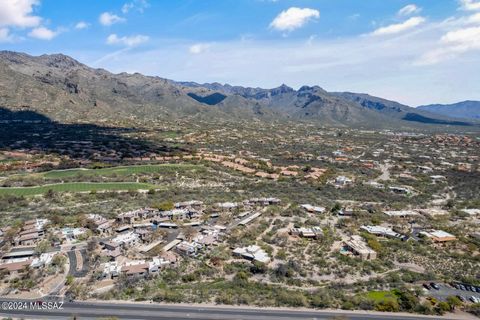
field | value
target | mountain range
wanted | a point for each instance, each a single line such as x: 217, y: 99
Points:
x: 464, y: 109
x: 64, y: 89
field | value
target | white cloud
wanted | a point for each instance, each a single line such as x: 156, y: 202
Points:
x: 199, y: 48
x: 129, y: 41
x: 470, y: 5
x: 18, y: 13
x: 294, y: 18
x: 451, y: 45
x: 5, y: 35
x: 139, y: 5
x: 81, y: 25
x: 467, y: 37
x: 409, y: 10
x: 107, y: 19
x: 43, y: 33
x: 459, y: 38
x: 399, y: 27
x: 127, y: 7
x: 475, y: 18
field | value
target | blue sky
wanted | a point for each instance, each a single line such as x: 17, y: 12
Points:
x: 416, y: 52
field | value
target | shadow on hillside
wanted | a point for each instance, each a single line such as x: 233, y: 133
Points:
x: 32, y: 132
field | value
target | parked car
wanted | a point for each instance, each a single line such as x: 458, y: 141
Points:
x: 462, y: 299
x: 426, y: 286
x: 435, y: 286
x: 474, y: 299
x: 461, y: 287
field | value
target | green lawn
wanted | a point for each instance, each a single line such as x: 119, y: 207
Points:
x: 76, y: 187
x: 378, y: 296
x: 124, y: 170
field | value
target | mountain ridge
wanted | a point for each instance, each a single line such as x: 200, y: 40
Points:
x: 68, y: 90
x: 468, y: 109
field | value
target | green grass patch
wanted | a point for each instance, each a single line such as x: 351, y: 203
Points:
x: 121, y: 171
x: 77, y: 187
x: 378, y: 296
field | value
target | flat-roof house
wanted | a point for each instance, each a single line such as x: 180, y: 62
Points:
x: 102, y: 225
x: 72, y: 233
x: 126, y: 239
x: 134, y: 215
x: 253, y: 253
x: 357, y: 246
x: 43, y: 260
x: 342, y: 181
x: 262, y: 201
x: 311, y: 208
x: 28, y: 239
x: 18, y: 254
x: 189, y: 204
x: 136, y: 270
x: 384, y: 232
x: 227, y: 205
x: 400, y: 190
x: 188, y: 248
x: 16, y: 267
x: 250, y: 218
x: 105, y: 227
x: 313, y: 232
x: 111, y: 269
x: 439, y: 235
x: 401, y: 213
x: 110, y: 245
x: 113, y: 255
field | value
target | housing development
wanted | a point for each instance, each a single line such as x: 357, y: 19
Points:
x: 341, y: 218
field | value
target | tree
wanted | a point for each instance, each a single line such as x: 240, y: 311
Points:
x: 387, y: 306
x: 42, y: 246
x: 57, y: 219
x: 336, y: 208
x: 81, y: 220
x: 258, y: 267
x: 454, y: 302
x: 50, y: 194
x: 59, y: 261
x: 164, y: 206
x: 407, y: 300
x: 374, y: 244
x: 444, y: 306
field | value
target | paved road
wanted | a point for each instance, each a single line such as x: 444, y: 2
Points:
x: 73, y: 264
x: 89, y: 310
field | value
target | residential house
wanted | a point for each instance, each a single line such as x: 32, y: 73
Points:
x: 357, y: 247
x: 252, y: 253
x: 384, y: 232
x: 314, y: 209
x: 313, y: 232
x: 438, y: 236
x: 401, y: 213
